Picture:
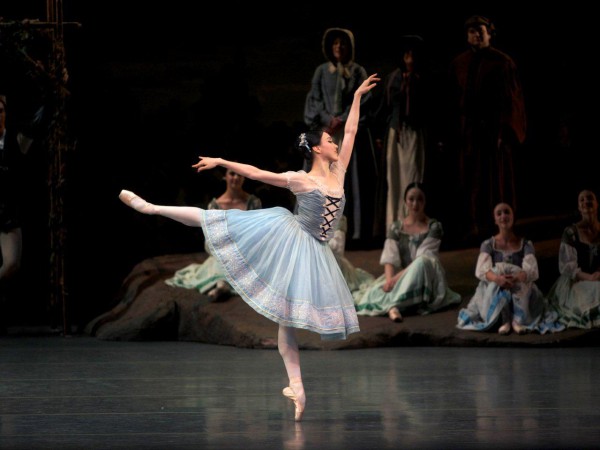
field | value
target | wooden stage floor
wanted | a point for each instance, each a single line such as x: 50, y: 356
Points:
x: 84, y: 393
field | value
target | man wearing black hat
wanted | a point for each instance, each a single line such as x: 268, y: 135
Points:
x: 491, y: 122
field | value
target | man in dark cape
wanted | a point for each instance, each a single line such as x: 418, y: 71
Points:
x: 491, y: 123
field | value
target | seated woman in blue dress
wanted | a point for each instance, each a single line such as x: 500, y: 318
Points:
x: 414, y: 277
x: 576, y: 293
x: 507, y: 294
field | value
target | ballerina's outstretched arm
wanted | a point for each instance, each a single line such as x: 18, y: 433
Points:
x: 352, y: 122
x: 190, y: 215
x: 246, y: 170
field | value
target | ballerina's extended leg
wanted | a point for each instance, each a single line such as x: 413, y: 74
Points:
x: 187, y: 215
x: 139, y: 204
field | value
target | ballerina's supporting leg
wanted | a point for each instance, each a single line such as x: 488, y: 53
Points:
x: 187, y: 215
x: 286, y: 338
x: 288, y: 349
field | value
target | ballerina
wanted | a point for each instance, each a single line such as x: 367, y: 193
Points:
x: 278, y: 262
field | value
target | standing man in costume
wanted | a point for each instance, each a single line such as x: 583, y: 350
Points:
x: 491, y: 122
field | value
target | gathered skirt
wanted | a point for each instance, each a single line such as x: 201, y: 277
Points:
x: 422, y: 287
x: 525, y: 304
x: 576, y: 302
x: 202, y: 277
x: 281, y: 270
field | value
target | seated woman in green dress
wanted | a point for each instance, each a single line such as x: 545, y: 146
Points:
x: 576, y: 293
x: 413, y: 278
x: 208, y: 277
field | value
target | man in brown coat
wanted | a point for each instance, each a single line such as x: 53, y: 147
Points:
x: 491, y: 122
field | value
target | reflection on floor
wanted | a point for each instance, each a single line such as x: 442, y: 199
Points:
x: 83, y: 393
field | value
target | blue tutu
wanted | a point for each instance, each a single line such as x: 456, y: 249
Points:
x: 281, y: 265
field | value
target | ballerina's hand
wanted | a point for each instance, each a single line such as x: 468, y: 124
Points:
x: 368, y: 84
x: 205, y: 163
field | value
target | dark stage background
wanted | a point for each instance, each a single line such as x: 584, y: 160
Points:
x: 152, y: 87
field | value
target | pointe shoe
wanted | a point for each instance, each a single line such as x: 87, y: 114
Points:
x: 504, y: 329
x: 137, y: 203
x: 289, y: 393
x: 395, y: 315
